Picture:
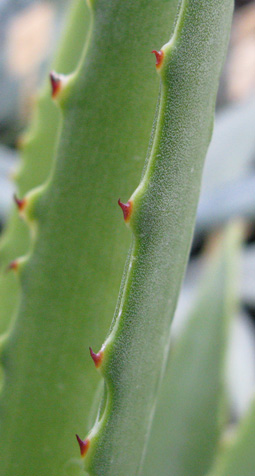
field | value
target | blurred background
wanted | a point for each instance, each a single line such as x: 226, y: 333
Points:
x: 29, y: 29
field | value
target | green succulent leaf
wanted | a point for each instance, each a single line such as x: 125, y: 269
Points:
x: 188, y: 418
x: 237, y: 458
x: 37, y: 152
x: 161, y: 214
x: 70, y: 280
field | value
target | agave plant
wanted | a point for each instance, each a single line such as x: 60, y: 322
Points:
x: 70, y: 275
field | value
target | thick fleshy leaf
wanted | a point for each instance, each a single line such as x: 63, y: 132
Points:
x: 37, y: 152
x: 161, y: 214
x: 70, y: 281
x: 238, y: 458
x: 186, y: 428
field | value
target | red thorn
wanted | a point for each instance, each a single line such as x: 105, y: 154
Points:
x: 21, y: 203
x: 159, y: 57
x: 96, y: 357
x: 13, y: 265
x: 56, y: 81
x: 84, y: 445
x: 126, y: 208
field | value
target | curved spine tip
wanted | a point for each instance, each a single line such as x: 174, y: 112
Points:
x: 159, y: 57
x: 83, y: 444
x: 21, y: 203
x: 97, y: 358
x: 56, y: 84
x: 126, y: 208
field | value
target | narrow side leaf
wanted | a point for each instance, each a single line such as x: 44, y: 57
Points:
x: 238, y: 456
x: 187, y: 423
x: 37, y: 149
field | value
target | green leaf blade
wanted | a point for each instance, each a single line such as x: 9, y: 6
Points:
x: 187, y: 423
